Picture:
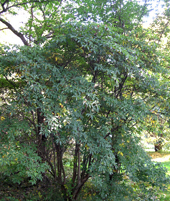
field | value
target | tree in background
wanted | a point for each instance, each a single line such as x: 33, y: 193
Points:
x: 75, y: 98
x: 157, y: 123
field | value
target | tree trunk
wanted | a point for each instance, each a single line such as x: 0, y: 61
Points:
x: 41, y: 137
x: 158, y: 147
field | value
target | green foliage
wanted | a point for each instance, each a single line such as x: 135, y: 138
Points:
x: 18, y: 160
x: 77, y: 98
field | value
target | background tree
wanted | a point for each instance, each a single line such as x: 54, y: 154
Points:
x: 157, y: 124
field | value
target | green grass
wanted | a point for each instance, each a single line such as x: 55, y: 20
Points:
x: 166, y: 196
x: 167, y: 165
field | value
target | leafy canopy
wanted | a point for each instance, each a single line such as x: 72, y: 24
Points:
x: 75, y: 99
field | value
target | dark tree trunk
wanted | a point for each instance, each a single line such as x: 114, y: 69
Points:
x: 158, y: 147
x: 41, y: 137
x: 159, y: 143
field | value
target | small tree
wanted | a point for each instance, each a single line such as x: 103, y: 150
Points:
x: 81, y: 97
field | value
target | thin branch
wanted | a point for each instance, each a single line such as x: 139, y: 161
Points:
x: 49, y: 35
x: 43, y: 13
x: 106, y: 135
x: 78, y: 171
x: 143, y: 10
x: 12, y: 83
x: 121, y: 85
x: 3, y: 4
x: 163, y: 31
x: 3, y: 29
x: 32, y: 123
x: 22, y: 4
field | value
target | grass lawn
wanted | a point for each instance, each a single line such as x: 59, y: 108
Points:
x: 167, y: 165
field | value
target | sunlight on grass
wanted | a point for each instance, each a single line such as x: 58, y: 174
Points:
x: 167, y: 165
x: 166, y: 196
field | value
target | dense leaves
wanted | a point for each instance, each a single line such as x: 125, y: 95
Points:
x: 75, y: 100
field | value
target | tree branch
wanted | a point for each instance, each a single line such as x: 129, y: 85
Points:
x: 3, y: 29
x: 10, y: 27
x: 163, y: 31
x: 3, y: 5
x: 21, y: 4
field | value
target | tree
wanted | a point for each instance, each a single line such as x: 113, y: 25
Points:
x: 76, y: 98
x: 157, y: 124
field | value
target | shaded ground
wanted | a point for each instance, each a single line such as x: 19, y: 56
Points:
x: 39, y: 193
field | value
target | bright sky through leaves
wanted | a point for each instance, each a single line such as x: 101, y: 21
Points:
x: 7, y: 37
